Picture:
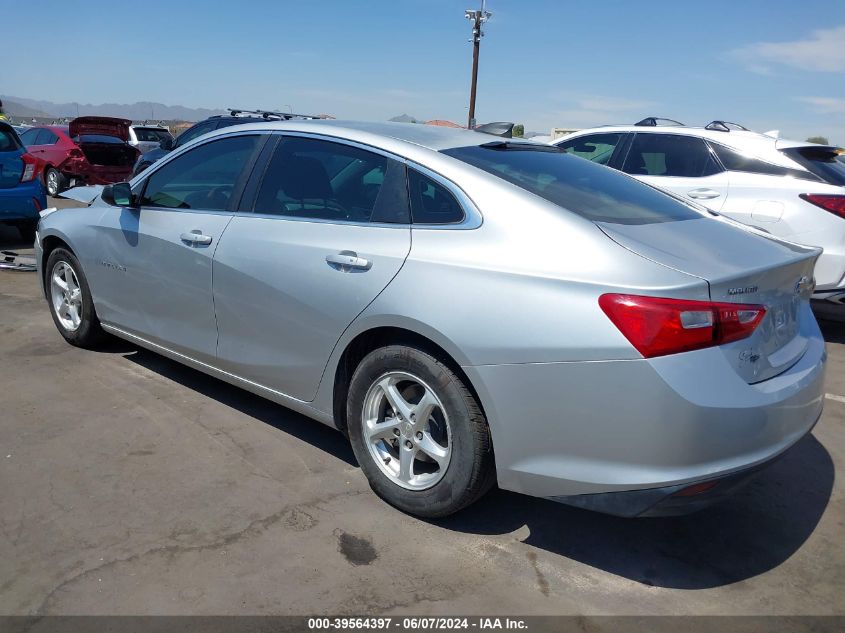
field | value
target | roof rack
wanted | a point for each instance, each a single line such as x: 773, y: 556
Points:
x: 270, y: 114
x: 654, y: 121
x: 724, y: 126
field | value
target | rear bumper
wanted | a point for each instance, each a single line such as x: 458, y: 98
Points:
x: 85, y: 173
x: 674, y: 500
x: 22, y: 202
x: 588, y: 428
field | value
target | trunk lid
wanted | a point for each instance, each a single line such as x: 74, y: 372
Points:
x: 100, y: 125
x: 740, y: 265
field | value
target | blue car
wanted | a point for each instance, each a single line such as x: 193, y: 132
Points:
x: 21, y: 192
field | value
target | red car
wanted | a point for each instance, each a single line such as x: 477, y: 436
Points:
x: 90, y: 150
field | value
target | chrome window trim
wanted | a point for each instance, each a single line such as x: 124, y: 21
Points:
x: 472, y: 216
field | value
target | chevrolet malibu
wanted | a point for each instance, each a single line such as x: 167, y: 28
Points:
x: 469, y: 310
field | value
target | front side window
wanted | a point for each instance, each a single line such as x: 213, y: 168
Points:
x: 204, y: 177
x: 591, y: 191
x: 30, y: 136
x: 315, y: 179
x: 669, y: 155
x: 594, y: 147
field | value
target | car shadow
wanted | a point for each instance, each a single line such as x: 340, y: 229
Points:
x: 748, y: 534
x: 277, y: 416
x: 833, y: 331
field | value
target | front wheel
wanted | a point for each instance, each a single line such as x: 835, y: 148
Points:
x: 71, y: 305
x: 418, y: 433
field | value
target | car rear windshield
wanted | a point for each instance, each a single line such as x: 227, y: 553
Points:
x: 821, y: 161
x: 595, y: 192
x: 151, y: 134
x: 8, y: 139
x: 97, y: 138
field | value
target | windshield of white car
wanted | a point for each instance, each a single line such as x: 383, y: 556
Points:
x: 597, y: 193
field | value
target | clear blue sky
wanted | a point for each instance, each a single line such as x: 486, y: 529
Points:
x: 764, y: 63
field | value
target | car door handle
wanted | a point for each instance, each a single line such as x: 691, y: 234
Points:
x: 196, y: 238
x: 703, y: 194
x: 346, y: 261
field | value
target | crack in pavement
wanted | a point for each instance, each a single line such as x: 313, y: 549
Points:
x: 255, y: 528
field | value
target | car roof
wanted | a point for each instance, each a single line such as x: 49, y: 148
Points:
x: 428, y: 136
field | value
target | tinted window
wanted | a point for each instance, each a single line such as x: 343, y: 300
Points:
x: 826, y: 164
x: 202, y: 178
x: 30, y: 136
x: 94, y: 138
x: 431, y: 202
x: 592, y: 191
x: 47, y: 137
x: 193, y: 132
x: 595, y: 147
x: 8, y: 139
x: 735, y: 161
x: 310, y: 178
x: 152, y: 134
x: 669, y: 155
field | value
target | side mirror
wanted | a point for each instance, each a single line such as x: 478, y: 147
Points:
x: 118, y: 195
x: 167, y: 144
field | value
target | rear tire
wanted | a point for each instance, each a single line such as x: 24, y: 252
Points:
x: 69, y: 297
x: 432, y: 466
x: 53, y: 181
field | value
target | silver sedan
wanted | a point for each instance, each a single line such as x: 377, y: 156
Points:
x: 469, y: 310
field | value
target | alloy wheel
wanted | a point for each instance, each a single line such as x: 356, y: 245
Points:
x: 52, y: 182
x: 406, y: 429
x: 66, y: 295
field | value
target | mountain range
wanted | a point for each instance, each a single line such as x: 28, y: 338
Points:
x: 23, y: 107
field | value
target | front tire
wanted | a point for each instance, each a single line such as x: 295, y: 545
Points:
x: 69, y: 296
x: 418, y: 433
x: 53, y: 181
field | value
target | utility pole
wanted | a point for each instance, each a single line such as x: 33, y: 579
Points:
x: 477, y: 18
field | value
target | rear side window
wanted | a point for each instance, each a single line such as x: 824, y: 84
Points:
x: 735, y: 161
x: 322, y: 180
x: 669, y: 155
x: 595, y: 147
x: 431, y: 202
x: 198, y: 130
x: 47, y: 137
x: 204, y: 177
x: 8, y: 139
x: 594, y: 192
x: 823, y: 162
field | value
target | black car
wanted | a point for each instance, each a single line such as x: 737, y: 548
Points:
x: 235, y: 117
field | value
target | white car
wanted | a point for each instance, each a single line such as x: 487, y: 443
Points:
x: 792, y: 189
x: 148, y: 137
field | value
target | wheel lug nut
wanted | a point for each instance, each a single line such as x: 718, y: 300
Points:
x: 408, y: 444
x: 396, y: 432
x: 419, y: 435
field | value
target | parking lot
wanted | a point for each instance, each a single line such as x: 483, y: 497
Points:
x: 134, y: 485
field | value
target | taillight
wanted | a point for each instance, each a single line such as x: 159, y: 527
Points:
x: 833, y: 203
x: 29, y: 164
x: 76, y: 153
x: 657, y: 326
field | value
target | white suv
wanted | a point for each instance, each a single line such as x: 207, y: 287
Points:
x: 791, y: 189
